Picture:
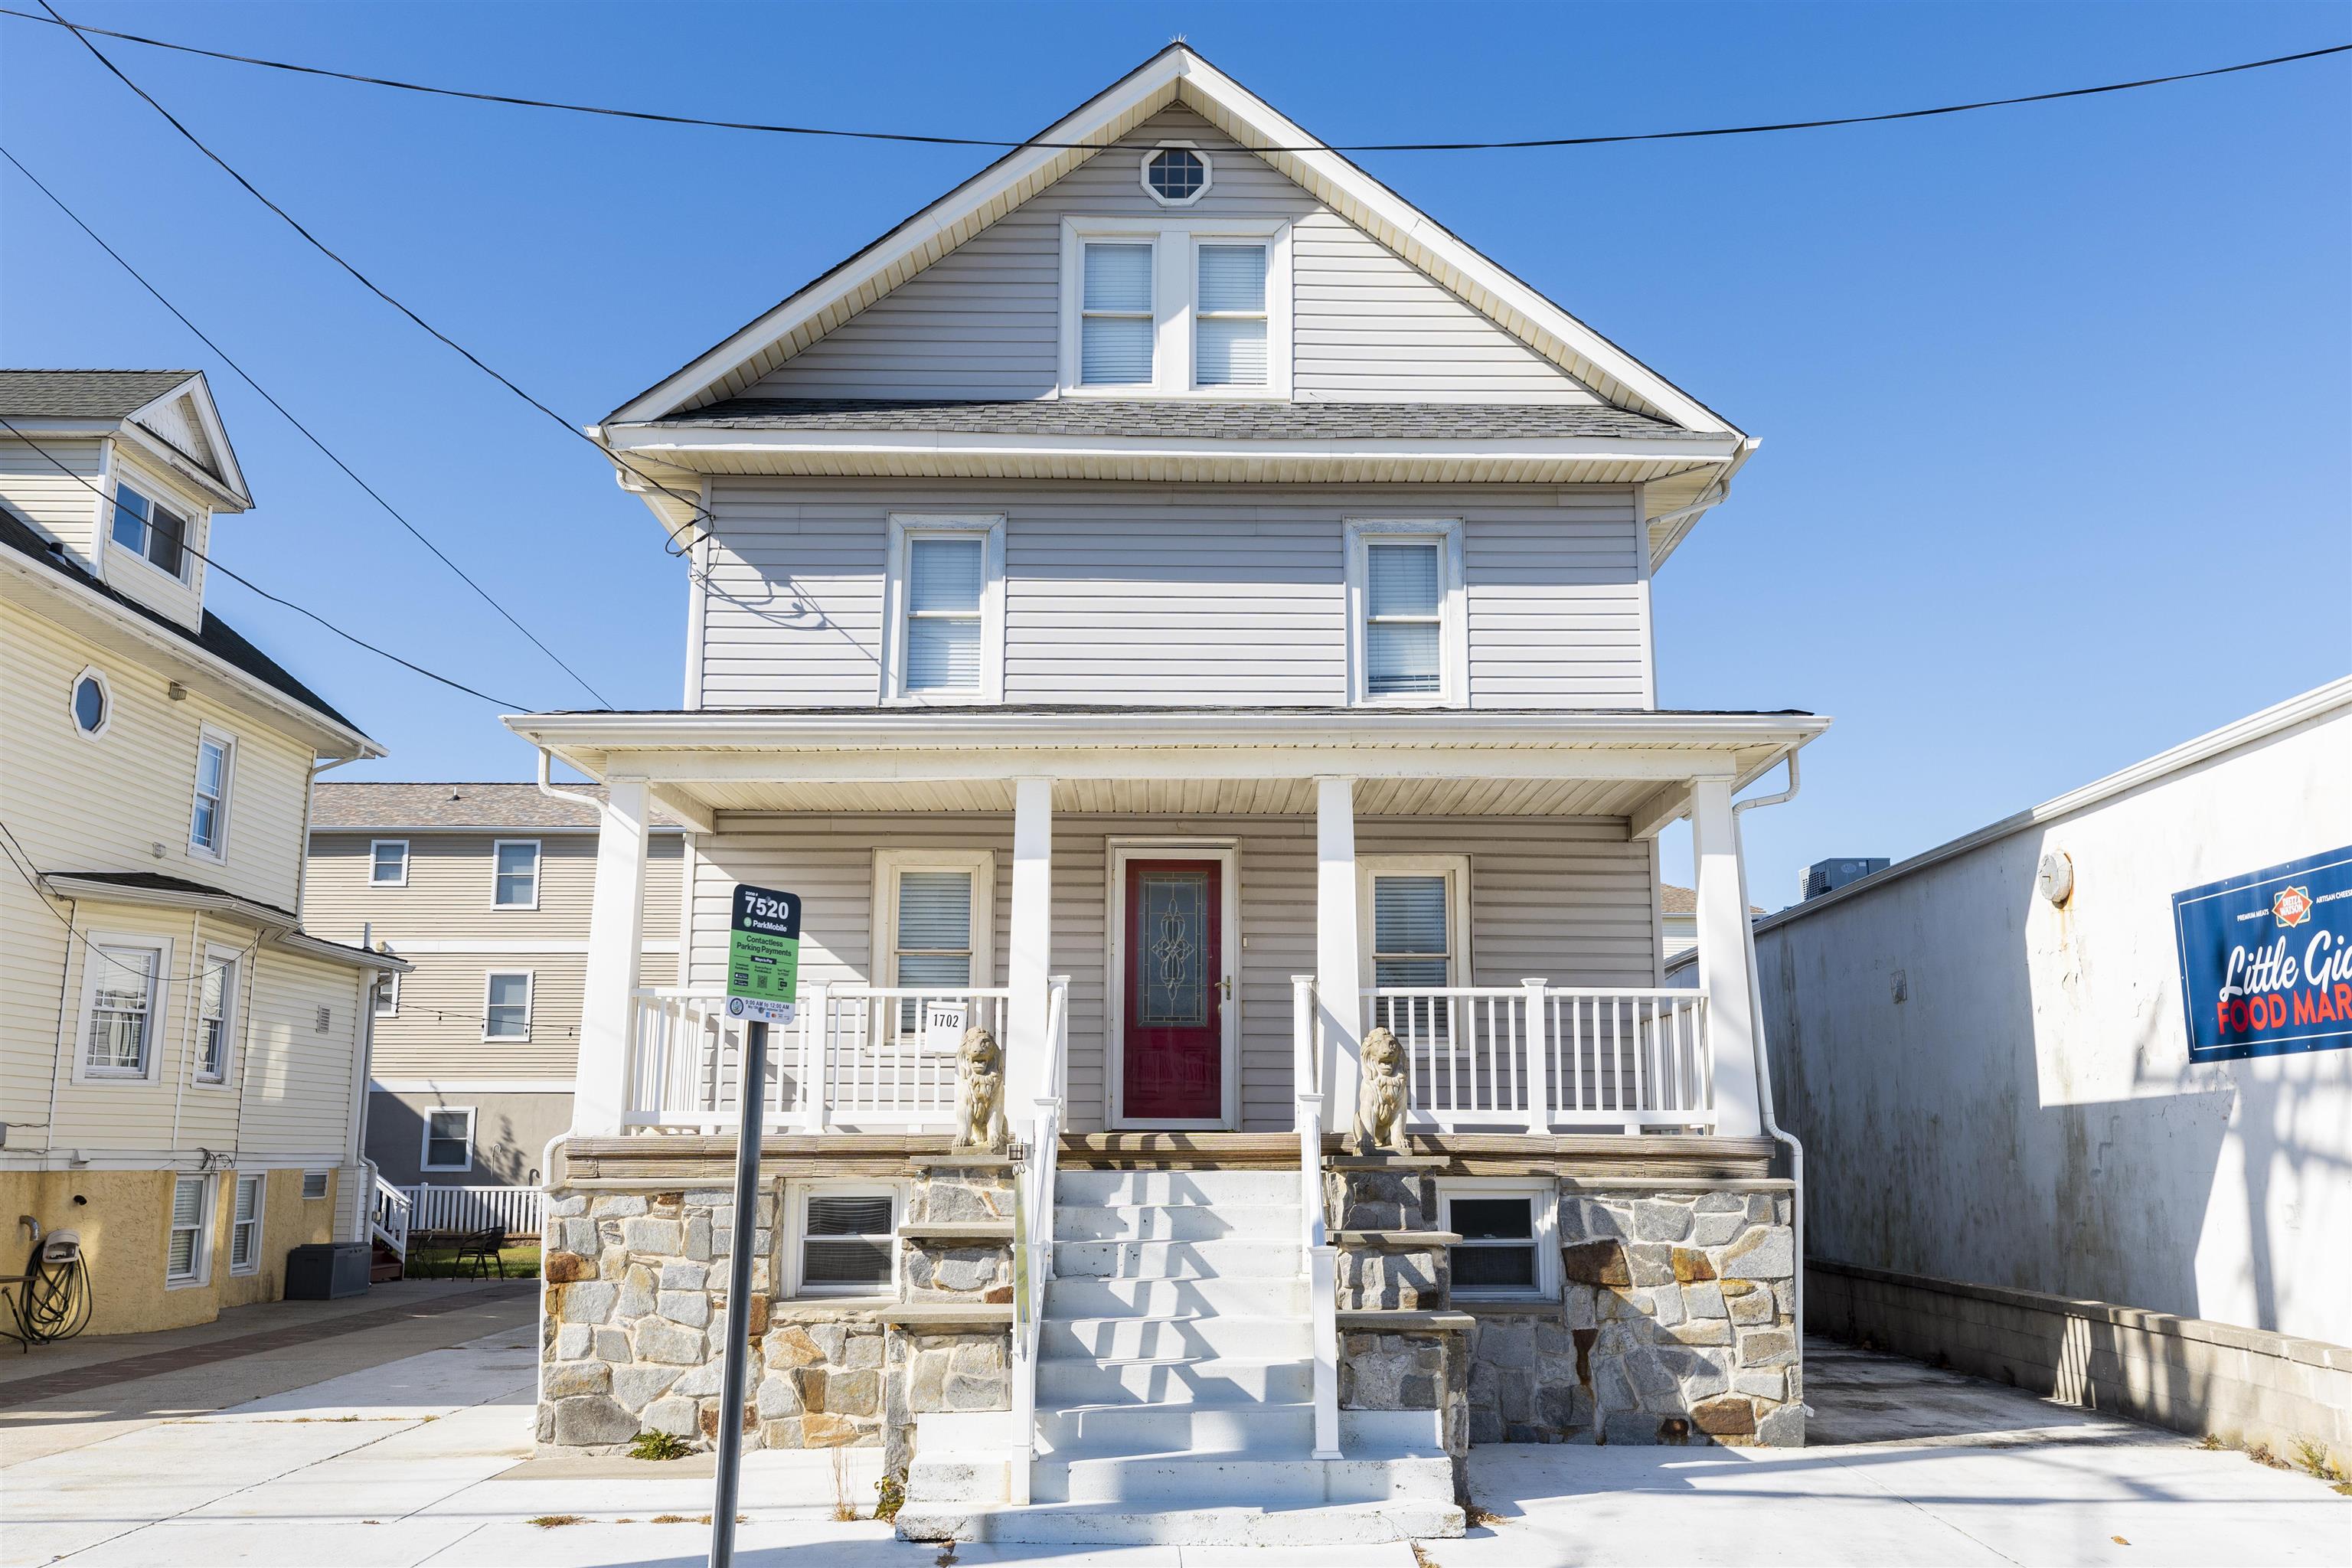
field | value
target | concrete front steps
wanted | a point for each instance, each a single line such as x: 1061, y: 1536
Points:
x: 1175, y: 1389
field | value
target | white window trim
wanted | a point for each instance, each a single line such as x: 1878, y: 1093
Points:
x: 906, y: 528
x: 195, y: 518
x: 530, y: 995
x: 1208, y: 173
x: 260, y: 1212
x: 326, y: 1187
x: 158, y: 1004
x: 888, y: 864
x: 230, y: 1018
x: 425, y: 1146
x: 1456, y: 869
x: 200, y: 1258
x: 375, y: 844
x: 1543, y: 1203
x: 223, y: 812
x: 538, y: 871
x: 387, y: 996
x: 106, y: 693
x: 1453, y: 621
x: 796, y: 1198
x: 1174, y: 282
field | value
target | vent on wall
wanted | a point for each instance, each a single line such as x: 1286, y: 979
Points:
x: 326, y: 1019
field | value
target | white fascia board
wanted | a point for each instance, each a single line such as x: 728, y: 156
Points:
x: 2319, y: 702
x: 102, y: 616
x: 503, y: 830
x: 98, y: 890
x: 341, y: 952
x: 470, y: 1086
x: 232, y: 477
x: 1090, y: 122
x: 667, y: 440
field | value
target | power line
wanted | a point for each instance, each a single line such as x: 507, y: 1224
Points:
x: 21, y: 859
x: 365, y: 281
x: 60, y: 465
x: 945, y: 141
x: 308, y: 434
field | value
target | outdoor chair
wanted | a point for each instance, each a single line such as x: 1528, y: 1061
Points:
x: 481, y: 1251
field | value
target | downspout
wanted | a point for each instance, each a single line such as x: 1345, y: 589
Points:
x: 1764, y: 1060
x: 65, y: 996
x: 547, y: 785
x: 310, y: 800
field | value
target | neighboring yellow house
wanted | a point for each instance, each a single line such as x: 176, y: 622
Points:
x: 182, y: 1067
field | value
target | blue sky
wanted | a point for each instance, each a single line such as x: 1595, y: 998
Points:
x: 2056, y: 402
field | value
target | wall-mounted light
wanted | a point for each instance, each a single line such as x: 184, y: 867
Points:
x: 176, y: 692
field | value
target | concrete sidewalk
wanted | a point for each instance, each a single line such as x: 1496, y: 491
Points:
x: 425, y: 1460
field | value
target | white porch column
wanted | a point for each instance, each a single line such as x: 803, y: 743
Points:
x: 1723, y: 960
x: 1339, y: 961
x: 1029, y: 964
x: 616, y: 935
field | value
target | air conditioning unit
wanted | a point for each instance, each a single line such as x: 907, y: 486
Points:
x: 1828, y: 875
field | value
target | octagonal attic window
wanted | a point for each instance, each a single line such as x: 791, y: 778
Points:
x: 91, y: 707
x: 1176, y: 176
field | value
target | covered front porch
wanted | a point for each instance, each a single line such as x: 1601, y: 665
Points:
x: 1185, y: 920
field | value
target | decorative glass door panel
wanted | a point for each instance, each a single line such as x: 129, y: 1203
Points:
x: 1173, y: 1051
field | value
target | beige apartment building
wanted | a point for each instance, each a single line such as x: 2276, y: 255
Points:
x: 485, y: 889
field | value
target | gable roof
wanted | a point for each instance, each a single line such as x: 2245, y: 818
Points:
x: 171, y: 409
x: 1176, y: 74
x: 213, y: 635
x: 360, y: 804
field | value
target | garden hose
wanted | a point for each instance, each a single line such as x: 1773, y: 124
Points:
x: 53, y: 1301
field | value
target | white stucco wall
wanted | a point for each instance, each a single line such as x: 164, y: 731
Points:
x: 1994, y: 1089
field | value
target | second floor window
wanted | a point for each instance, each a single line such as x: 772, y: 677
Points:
x: 1407, y: 640
x: 515, y: 876
x: 387, y: 994
x: 944, y: 590
x: 151, y: 529
x: 506, y: 1011
x: 208, y: 823
x: 388, y: 863
x: 122, y: 995
x: 215, y: 1000
x: 1115, y: 314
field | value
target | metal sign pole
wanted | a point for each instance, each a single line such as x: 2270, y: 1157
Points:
x: 752, y: 1100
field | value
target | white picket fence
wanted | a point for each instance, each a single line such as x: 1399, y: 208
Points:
x: 519, y: 1209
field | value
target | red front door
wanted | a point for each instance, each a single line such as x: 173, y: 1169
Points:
x: 1173, y: 1051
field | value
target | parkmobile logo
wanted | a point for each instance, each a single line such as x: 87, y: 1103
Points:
x: 2292, y: 907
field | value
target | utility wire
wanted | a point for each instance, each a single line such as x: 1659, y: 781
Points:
x: 21, y: 859
x: 361, y: 642
x: 369, y: 283
x: 308, y: 434
x: 1079, y: 146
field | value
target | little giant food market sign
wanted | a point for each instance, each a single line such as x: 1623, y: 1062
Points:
x: 2266, y: 959
x: 763, y: 956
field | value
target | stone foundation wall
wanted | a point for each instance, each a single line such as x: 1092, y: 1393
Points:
x: 635, y: 1333
x: 1675, y: 1324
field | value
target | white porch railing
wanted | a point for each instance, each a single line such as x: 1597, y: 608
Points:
x: 1032, y: 1228
x: 859, y: 1057
x: 1318, y: 1259
x: 518, y: 1209
x: 388, y: 1218
x: 1539, y: 1057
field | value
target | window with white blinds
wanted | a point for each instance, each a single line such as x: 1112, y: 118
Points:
x: 944, y: 582
x: 933, y: 942
x: 216, y: 999
x: 245, y: 1227
x: 1116, y: 314
x: 124, y: 982
x: 1404, y: 603
x: 1411, y: 945
x: 1229, y: 322
x: 848, y: 1238
x: 184, y: 1254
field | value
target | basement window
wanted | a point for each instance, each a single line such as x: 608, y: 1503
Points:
x: 845, y: 1238
x: 1507, y: 1250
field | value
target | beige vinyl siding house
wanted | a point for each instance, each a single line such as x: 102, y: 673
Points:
x: 1184, y: 612
x: 170, y: 1034
x: 415, y: 869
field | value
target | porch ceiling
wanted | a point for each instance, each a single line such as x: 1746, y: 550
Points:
x: 1193, y: 798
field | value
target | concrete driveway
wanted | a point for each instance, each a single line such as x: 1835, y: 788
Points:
x: 425, y: 1459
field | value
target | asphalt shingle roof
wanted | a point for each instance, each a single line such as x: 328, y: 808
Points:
x: 1229, y: 421
x: 341, y: 805
x: 213, y: 635
x: 84, y: 394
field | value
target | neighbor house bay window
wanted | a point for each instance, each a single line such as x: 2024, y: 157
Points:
x: 1116, y: 314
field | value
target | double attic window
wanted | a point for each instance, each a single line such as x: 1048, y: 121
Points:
x: 149, y: 529
x: 1176, y: 307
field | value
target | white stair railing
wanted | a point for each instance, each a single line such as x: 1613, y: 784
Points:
x: 1318, y: 1259
x: 388, y: 1218
x: 1033, y: 1230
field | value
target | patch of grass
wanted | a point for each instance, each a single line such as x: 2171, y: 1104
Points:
x: 520, y: 1262
x: 551, y: 1520
x: 671, y: 1519
x: 658, y: 1446
x: 2211, y: 1443
x: 893, y: 1497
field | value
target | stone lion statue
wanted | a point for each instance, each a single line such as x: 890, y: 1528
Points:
x: 979, y: 1093
x: 1381, y: 1097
